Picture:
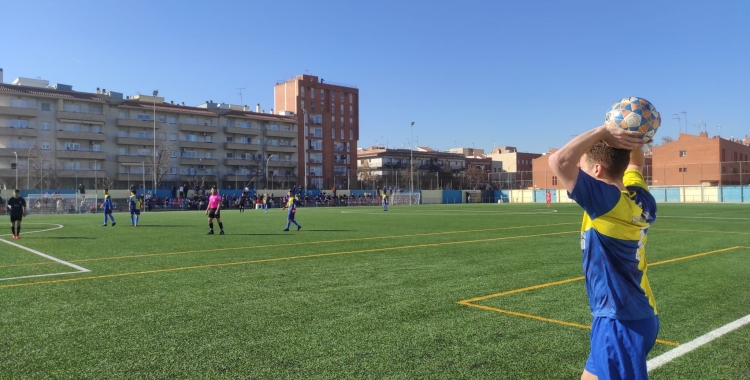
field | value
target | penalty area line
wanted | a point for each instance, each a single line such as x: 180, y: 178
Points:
x: 695, y: 343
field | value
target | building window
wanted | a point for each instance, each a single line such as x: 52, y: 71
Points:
x: 682, y: 170
x: 46, y: 107
x: 342, y: 109
x: 723, y: 156
x: 312, y: 105
x: 172, y: 171
x: 302, y: 91
x: 351, y: 135
x: 342, y: 121
x: 16, y: 123
x: 322, y: 94
x: 144, y: 116
x: 172, y: 120
x: 342, y: 96
x: 45, y: 146
x: 122, y: 151
x: 683, y: 153
x: 172, y: 137
x: 333, y: 95
x: 173, y: 154
x: 95, y: 108
x: 72, y: 107
x: 162, y: 119
x: 333, y: 108
x: 351, y: 110
x: 342, y: 133
x: 96, y: 148
x: 45, y: 126
x: 312, y: 94
x: 350, y: 98
x: 333, y: 133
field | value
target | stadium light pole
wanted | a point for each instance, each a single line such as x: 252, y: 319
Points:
x: 28, y: 168
x: 156, y: 92
x: 16, y: 169
x: 411, y: 161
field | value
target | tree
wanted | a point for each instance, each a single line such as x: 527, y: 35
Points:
x: 406, y: 176
x: 666, y: 140
x: 162, y: 164
x: 365, y: 173
x: 104, y: 183
x: 475, y: 177
x: 42, y: 173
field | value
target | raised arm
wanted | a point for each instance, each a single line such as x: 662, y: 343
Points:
x: 637, y: 160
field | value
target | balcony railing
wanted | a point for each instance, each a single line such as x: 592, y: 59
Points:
x: 339, y: 148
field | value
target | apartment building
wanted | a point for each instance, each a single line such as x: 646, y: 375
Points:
x: 54, y: 137
x: 328, y: 116
x: 517, y: 166
x: 699, y: 159
x: 390, y: 167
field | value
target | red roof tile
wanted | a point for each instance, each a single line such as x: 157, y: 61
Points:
x: 50, y: 92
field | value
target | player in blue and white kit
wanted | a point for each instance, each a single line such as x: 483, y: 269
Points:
x: 135, y: 208
x: 291, y: 204
x: 601, y: 171
x: 107, y: 206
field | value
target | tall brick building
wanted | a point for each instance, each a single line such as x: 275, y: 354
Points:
x: 329, y: 113
x: 695, y: 160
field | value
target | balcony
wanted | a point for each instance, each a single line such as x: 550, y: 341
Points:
x: 8, y: 152
x: 241, y: 162
x: 82, y: 117
x: 199, y: 161
x: 282, y: 164
x: 238, y: 177
x: 84, y: 154
x: 129, y: 140
x: 339, y: 148
x: 93, y: 136
x: 198, y: 128
x: 242, y: 131
x: 339, y: 174
x: 132, y: 159
x: 133, y: 177
x: 19, y: 111
x: 281, y: 148
x: 18, y: 132
x: 81, y: 173
x: 339, y: 161
x: 198, y: 145
x: 241, y: 146
x: 290, y: 134
x: 137, y: 123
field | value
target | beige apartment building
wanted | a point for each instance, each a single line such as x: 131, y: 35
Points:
x: 54, y: 137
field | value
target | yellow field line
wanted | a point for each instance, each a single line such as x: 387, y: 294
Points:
x: 711, y: 232
x: 282, y: 259
x: 470, y: 302
x: 543, y: 319
x: 295, y: 244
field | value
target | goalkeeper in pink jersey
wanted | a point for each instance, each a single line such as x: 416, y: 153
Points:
x: 213, y: 211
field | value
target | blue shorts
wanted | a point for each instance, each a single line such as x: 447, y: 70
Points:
x: 290, y: 215
x: 619, y: 348
x: 107, y: 210
x: 135, y: 212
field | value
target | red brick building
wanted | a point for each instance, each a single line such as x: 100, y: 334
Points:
x: 328, y: 119
x: 694, y: 160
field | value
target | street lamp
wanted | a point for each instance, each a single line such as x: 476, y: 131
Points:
x: 156, y: 92
x: 411, y: 161
x: 269, y: 159
x: 28, y: 168
x: 16, y: 169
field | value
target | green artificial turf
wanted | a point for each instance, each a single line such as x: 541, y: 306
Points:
x: 358, y: 293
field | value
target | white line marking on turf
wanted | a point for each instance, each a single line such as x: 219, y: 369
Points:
x: 59, y: 226
x: 695, y: 343
x: 78, y: 268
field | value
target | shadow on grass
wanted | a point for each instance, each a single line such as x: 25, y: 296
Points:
x: 229, y: 233
x: 164, y: 225
x: 62, y: 238
x: 329, y: 230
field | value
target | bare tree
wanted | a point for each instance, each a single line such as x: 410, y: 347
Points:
x: 475, y: 177
x: 104, y: 183
x: 161, y: 165
x: 42, y: 173
x: 666, y: 140
x: 196, y: 180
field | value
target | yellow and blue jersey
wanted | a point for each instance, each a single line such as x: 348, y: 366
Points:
x: 135, y: 203
x: 107, y: 204
x: 613, y: 238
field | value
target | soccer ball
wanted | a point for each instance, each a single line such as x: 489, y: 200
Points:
x: 635, y: 114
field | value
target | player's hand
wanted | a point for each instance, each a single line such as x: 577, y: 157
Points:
x: 619, y: 138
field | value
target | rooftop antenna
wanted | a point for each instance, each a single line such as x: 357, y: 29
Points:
x: 686, y: 121
x: 676, y: 116
x: 240, y: 88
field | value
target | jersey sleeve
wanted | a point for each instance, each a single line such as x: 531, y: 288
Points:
x: 594, y: 196
x: 639, y: 193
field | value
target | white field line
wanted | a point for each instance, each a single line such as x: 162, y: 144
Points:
x: 59, y: 226
x: 489, y: 213
x: 695, y: 343
x: 78, y: 268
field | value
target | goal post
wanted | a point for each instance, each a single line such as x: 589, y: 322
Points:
x: 62, y: 204
x: 403, y: 198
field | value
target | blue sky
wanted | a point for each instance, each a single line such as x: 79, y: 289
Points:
x: 528, y: 74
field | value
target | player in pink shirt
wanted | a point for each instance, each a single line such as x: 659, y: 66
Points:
x: 213, y: 211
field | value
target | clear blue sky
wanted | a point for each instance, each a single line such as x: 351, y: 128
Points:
x: 523, y: 73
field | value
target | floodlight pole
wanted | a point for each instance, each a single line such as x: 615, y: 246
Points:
x: 16, y: 169
x: 156, y: 92
x: 411, y: 161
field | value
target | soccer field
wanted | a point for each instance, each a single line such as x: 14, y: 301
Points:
x: 419, y: 292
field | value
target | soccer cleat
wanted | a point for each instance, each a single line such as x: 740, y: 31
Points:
x: 299, y: 228
x: 16, y: 237
x: 113, y: 224
x: 210, y: 232
x: 286, y: 229
x: 104, y: 225
x: 221, y: 232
